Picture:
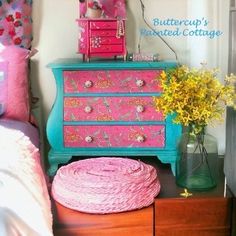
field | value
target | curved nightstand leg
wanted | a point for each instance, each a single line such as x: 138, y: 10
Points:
x: 173, y: 167
x: 53, y: 169
x: 168, y: 157
x: 55, y: 159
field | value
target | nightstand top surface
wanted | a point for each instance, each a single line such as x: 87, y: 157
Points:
x: 169, y: 189
x: 76, y: 63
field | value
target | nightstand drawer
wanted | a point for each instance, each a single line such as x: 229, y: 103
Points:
x: 125, y: 81
x: 68, y: 222
x: 114, y: 136
x: 110, y: 109
x: 209, y: 216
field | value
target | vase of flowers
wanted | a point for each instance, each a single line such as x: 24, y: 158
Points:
x: 196, y: 98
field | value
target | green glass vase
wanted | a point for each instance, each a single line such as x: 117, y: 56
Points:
x: 197, y: 161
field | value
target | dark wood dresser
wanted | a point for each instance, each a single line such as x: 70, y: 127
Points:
x: 203, y: 214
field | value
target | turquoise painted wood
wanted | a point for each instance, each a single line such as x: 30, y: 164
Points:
x: 65, y: 136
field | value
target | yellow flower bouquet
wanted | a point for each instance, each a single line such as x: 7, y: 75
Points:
x: 195, y: 98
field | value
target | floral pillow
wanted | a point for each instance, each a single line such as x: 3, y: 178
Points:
x: 16, y: 22
x: 3, y: 87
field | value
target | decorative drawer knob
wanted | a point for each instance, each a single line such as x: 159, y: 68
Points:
x: 140, y: 139
x: 88, y: 109
x: 140, y: 83
x: 88, y: 84
x: 140, y: 108
x: 88, y: 139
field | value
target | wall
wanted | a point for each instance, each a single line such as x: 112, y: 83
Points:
x: 55, y: 36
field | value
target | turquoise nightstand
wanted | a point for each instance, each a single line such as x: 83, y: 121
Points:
x: 105, y: 108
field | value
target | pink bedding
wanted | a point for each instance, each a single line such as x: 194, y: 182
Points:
x: 17, y: 82
x: 24, y: 201
x: 25, y: 208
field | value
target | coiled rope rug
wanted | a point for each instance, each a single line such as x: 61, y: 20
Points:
x: 106, y: 185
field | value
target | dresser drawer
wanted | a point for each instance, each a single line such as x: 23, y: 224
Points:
x: 103, y: 33
x: 103, y: 25
x: 97, y: 40
x: 114, y: 136
x: 110, y: 109
x: 125, y: 81
x: 107, y: 48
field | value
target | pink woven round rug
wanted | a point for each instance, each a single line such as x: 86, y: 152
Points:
x: 106, y: 185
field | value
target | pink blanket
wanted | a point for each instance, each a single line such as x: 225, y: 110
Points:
x: 24, y: 201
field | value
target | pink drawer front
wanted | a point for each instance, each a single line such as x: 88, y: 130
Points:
x: 110, y: 109
x: 103, y: 25
x: 105, y: 40
x: 130, y: 81
x: 103, y: 33
x: 114, y: 136
x: 107, y: 48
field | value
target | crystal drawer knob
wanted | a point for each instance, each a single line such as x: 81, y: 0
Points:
x: 88, y: 84
x: 88, y: 109
x: 140, y: 83
x: 140, y: 108
x: 88, y: 139
x: 140, y: 139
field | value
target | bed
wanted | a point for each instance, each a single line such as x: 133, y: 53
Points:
x: 25, y: 208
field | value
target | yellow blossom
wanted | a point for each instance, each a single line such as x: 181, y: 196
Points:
x: 195, y: 95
